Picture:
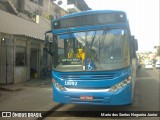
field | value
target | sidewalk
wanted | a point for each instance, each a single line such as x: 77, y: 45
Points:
x: 33, y: 95
x: 20, y: 86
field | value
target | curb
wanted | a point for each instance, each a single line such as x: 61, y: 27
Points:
x: 10, y: 89
x: 21, y: 86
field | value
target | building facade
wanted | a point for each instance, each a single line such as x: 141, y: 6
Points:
x: 22, y: 54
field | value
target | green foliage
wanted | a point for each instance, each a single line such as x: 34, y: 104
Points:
x: 48, y: 16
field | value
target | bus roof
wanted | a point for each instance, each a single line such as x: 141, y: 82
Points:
x: 81, y: 21
x: 89, y: 12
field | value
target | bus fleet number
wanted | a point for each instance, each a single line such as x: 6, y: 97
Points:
x: 71, y: 83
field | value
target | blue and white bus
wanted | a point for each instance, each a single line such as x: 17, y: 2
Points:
x: 93, y: 54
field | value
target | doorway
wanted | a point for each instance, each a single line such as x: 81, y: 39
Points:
x: 34, y: 63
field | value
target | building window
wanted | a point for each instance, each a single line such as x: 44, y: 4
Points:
x: 20, y: 56
x: 39, y: 2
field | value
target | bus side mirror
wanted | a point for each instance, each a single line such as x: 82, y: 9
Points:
x: 46, y: 41
x: 48, y: 44
x: 133, y: 45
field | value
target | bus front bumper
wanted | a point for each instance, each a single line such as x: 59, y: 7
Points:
x: 121, y: 97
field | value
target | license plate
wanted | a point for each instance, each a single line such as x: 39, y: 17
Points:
x: 86, y: 97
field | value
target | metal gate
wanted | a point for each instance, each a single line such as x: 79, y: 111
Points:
x: 3, y: 63
x: 6, y: 62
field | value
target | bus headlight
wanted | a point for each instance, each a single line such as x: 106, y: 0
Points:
x: 58, y: 85
x: 120, y: 85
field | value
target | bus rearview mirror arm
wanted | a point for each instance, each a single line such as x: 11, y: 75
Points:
x: 46, y: 43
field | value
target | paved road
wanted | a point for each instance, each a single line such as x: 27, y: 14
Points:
x: 39, y: 98
x: 146, y: 98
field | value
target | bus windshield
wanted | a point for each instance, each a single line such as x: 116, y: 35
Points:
x: 98, y: 50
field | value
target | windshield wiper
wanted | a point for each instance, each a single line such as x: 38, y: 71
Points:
x: 73, y: 39
x: 103, y: 35
x: 93, y: 39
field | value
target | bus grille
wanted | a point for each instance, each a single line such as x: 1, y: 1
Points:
x: 88, y: 77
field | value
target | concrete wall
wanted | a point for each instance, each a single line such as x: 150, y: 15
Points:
x: 47, y: 8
